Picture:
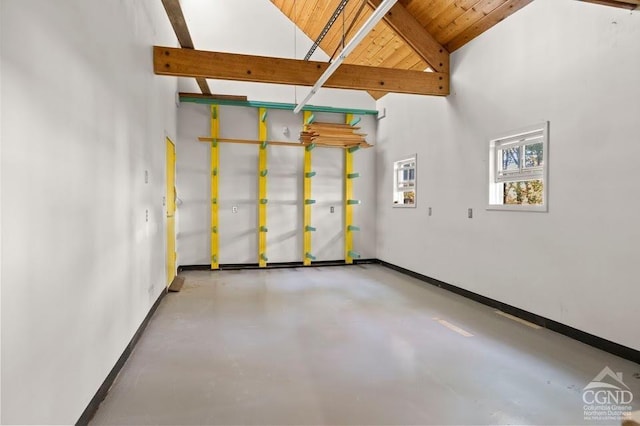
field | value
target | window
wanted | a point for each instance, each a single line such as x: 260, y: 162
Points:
x: 518, y: 164
x: 404, y: 182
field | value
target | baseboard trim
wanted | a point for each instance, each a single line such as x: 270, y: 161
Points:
x: 274, y: 265
x: 582, y: 336
x: 100, y: 395
x: 574, y: 333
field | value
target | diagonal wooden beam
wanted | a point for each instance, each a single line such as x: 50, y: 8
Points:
x: 231, y: 66
x: 418, y: 38
x: 624, y: 4
x: 179, y: 24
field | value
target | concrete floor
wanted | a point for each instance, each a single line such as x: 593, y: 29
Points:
x: 347, y: 345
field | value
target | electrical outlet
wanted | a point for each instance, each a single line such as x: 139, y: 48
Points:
x: 234, y: 209
x: 332, y: 209
x: 146, y: 176
x: 470, y: 213
x: 146, y: 215
x: 430, y: 211
x: 164, y: 201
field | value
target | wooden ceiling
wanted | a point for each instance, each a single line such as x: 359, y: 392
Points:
x: 415, y: 35
x: 452, y: 23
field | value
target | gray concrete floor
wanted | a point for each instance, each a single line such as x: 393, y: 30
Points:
x: 347, y: 345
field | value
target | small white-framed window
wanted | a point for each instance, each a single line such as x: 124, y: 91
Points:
x: 518, y: 170
x: 405, y: 182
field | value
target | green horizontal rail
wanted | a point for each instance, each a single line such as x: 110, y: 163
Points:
x: 264, y: 172
x: 350, y: 202
x: 310, y: 146
x: 264, y: 257
x: 309, y: 201
x: 264, y: 201
x: 353, y: 228
x: 353, y: 175
x: 354, y: 255
x: 310, y: 174
x: 309, y: 228
x: 310, y: 256
x: 277, y: 105
x: 353, y: 148
x: 264, y: 229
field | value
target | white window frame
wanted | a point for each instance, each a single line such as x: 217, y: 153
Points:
x: 396, y: 166
x: 538, y: 133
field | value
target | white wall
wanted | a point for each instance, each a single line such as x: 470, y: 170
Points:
x: 238, y: 187
x: 258, y: 27
x: 576, y: 65
x: 83, y: 117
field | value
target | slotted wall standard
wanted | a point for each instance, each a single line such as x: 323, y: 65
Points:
x: 262, y: 188
x: 215, y: 165
x: 348, y: 195
x: 307, y: 228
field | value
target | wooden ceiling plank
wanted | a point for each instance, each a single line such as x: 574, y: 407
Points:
x: 386, y: 51
x: 467, y: 19
x: 318, y: 17
x: 373, y: 43
x: 333, y: 40
x: 179, y: 24
x: 412, y: 33
x: 403, y: 58
x: 229, y: 66
x: 288, y: 7
x: 428, y: 13
x: 482, y: 25
x: 449, y: 15
x: 623, y: 4
x: 364, y: 16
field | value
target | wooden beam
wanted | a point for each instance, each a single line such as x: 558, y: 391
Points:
x: 414, y: 34
x: 203, y: 85
x: 624, y: 4
x: 214, y: 96
x: 231, y: 66
x: 176, y: 17
x: 482, y: 25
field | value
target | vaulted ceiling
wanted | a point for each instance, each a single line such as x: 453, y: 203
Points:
x: 451, y: 23
x: 414, y: 36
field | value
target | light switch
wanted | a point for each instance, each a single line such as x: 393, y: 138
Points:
x: 234, y: 209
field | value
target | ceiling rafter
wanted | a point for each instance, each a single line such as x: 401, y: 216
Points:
x: 179, y: 24
x: 624, y: 4
x: 414, y: 34
x: 230, y: 66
